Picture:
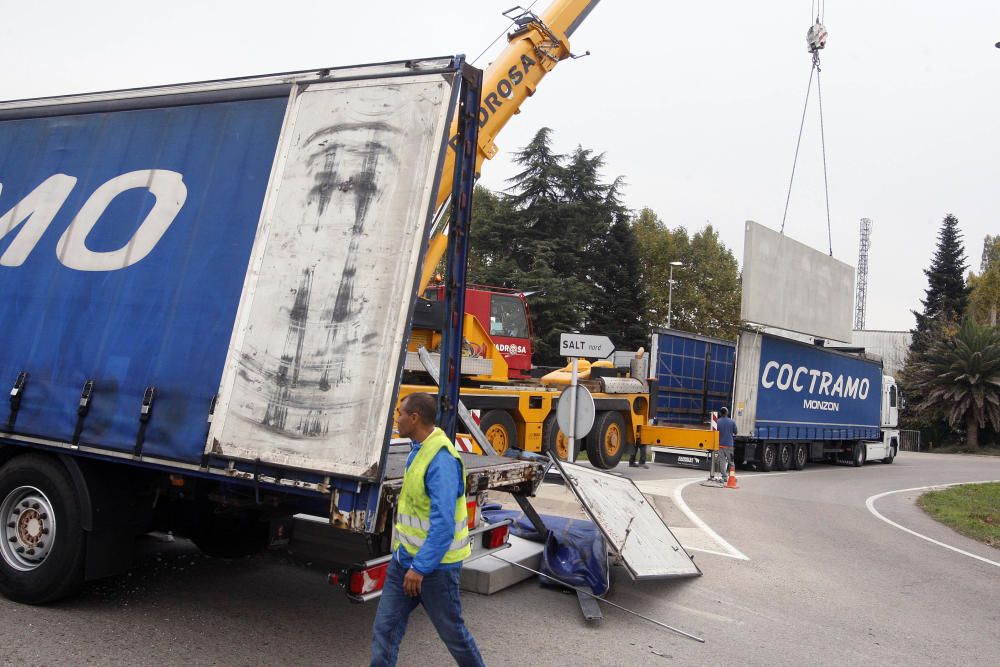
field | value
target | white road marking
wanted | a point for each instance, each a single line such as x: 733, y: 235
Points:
x: 731, y: 551
x: 870, y: 504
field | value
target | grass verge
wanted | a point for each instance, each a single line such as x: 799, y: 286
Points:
x: 971, y: 509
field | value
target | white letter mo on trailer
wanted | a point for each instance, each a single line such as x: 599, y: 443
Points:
x: 36, y: 211
x: 170, y: 192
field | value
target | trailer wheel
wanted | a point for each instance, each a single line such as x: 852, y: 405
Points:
x: 607, y: 441
x: 785, y: 457
x: 768, y: 456
x: 500, y: 430
x: 860, y: 454
x: 554, y: 441
x: 801, y: 457
x: 42, y: 547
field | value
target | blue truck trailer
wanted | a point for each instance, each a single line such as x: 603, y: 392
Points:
x: 793, y: 402
x: 205, y: 297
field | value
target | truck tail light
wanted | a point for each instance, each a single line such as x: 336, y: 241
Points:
x: 470, y: 507
x: 369, y: 580
x: 496, y: 537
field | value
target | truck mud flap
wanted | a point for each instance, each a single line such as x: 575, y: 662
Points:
x: 633, y: 528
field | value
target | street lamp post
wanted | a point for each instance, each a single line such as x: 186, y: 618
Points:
x: 670, y: 292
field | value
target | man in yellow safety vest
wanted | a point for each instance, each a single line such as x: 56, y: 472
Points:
x: 430, y: 539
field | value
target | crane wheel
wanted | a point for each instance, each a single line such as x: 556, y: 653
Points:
x: 554, y: 441
x: 607, y: 440
x: 500, y: 430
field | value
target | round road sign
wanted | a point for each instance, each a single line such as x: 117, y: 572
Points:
x: 584, y: 419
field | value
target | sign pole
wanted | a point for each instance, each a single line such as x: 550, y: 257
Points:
x: 571, y: 436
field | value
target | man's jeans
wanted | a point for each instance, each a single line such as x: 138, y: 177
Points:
x: 723, y: 459
x: 439, y: 595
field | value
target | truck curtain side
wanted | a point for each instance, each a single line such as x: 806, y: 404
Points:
x: 256, y: 240
x: 792, y: 401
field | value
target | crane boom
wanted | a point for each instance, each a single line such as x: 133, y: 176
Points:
x: 533, y: 49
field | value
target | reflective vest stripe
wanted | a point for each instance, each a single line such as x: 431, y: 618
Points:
x: 413, y: 521
x: 410, y: 540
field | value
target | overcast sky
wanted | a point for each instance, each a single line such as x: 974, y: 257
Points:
x: 697, y: 105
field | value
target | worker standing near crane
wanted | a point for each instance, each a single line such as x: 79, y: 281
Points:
x: 430, y: 541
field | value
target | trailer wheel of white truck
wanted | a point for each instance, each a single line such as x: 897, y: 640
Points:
x: 768, y: 457
x: 42, y: 550
x: 785, y: 456
x: 801, y: 457
x: 607, y: 440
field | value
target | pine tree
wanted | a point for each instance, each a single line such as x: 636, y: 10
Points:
x: 619, y: 310
x: 946, y: 294
x: 540, y: 178
x: 495, y: 241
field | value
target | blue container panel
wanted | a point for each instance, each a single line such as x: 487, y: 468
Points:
x: 682, y: 377
x: 814, y: 432
x: 164, y: 321
x: 805, y: 392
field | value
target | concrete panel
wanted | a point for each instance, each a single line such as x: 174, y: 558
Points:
x: 788, y: 285
x: 488, y: 575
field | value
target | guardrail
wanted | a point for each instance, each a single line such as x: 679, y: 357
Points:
x: 909, y: 441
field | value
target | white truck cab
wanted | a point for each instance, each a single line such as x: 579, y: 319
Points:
x: 886, y: 448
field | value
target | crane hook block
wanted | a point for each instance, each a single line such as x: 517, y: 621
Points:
x: 816, y: 37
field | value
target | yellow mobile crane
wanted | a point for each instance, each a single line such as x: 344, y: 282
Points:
x: 521, y: 414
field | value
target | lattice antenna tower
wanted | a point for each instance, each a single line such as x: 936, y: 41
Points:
x: 861, y: 298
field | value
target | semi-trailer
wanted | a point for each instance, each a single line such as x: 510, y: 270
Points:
x: 205, y: 294
x: 793, y: 401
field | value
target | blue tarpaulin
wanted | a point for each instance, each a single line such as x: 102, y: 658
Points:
x: 575, y: 552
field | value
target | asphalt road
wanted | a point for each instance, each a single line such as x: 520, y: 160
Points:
x: 797, y: 570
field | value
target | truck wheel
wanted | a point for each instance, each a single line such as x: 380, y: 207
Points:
x: 768, y: 456
x: 801, y: 457
x: 606, y: 442
x: 554, y: 441
x: 892, y: 455
x: 860, y: 453
x: 500, y: 430
x: 784, y: 457
x: 42, y: 549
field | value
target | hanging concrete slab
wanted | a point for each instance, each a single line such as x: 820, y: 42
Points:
x: 631, y: 525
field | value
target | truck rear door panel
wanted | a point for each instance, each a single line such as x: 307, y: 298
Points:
x: 163, y: 320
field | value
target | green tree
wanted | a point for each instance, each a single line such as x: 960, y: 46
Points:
x: 984, y: 288
x: 706, y: 293
x: 658, y: 246
x: 714, y: 306
x: 561, y: 232
x: 946, y: 293
x: 991, y: 253
x: 496, y: 241
x: 619, y: 308
x: 959, y: 376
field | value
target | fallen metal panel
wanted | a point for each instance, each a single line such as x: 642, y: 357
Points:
x: 631, y: 525
x: 311, y: 373
x: 788, y: 285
